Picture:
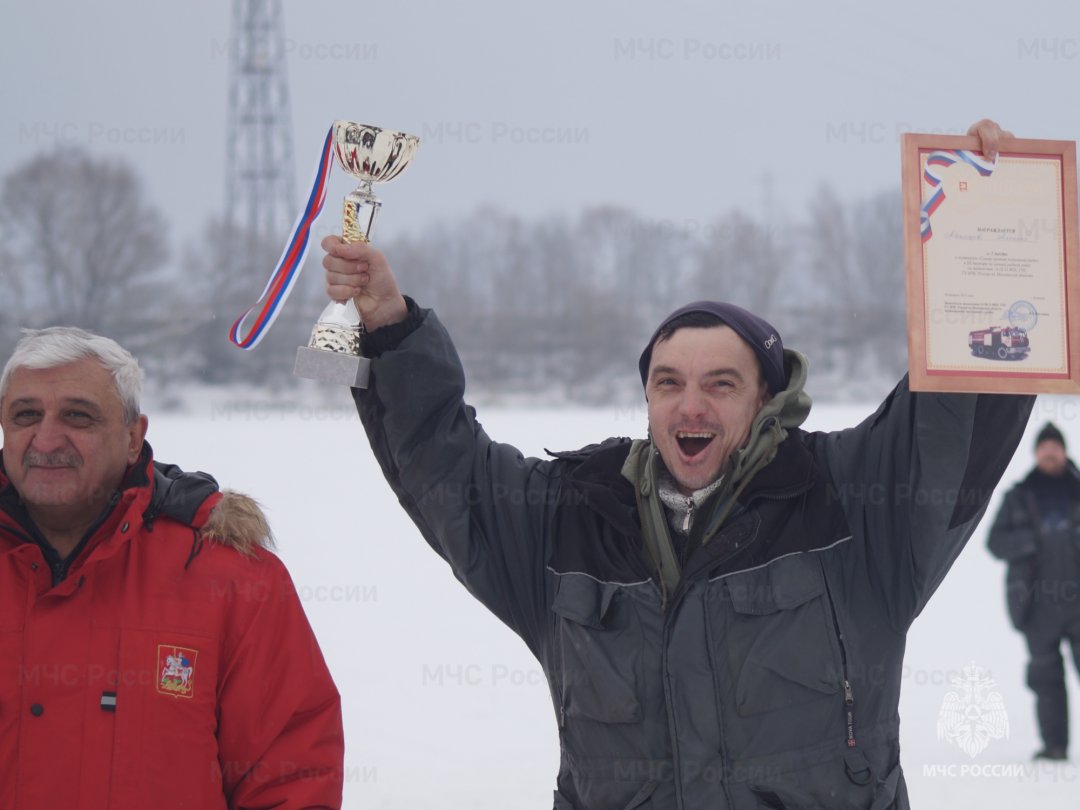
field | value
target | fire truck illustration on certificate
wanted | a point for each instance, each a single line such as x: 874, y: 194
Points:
x: 1000, y: 342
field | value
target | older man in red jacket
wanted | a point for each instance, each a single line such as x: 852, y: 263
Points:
x: 153, y: 653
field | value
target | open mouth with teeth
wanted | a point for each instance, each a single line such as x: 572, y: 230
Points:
x: 693, y: 442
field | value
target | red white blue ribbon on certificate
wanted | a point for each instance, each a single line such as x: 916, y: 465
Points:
x: 265, y: 311
x: 936, y: 164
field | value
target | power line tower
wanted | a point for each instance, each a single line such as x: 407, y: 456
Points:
x: 260, y: 194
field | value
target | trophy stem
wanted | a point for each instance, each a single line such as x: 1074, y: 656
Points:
x: 334, y: 353
x: 361, y: 210
x: 339, y: 329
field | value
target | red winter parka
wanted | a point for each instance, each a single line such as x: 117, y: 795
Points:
x: 161, y: 669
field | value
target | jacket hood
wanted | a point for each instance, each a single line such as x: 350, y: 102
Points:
x: 238, y: 521
x: 787, y: 409
x: 226, y: 517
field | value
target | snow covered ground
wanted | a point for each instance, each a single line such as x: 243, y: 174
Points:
x: 445, y: 707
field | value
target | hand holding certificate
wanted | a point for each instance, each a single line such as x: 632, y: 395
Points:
x: 990, y: 257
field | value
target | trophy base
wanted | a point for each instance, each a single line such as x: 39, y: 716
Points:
x: 332, y: 367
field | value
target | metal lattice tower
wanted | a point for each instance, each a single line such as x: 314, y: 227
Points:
x: 260, y: 195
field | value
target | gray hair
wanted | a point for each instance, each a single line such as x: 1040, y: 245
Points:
x: 59, y: 345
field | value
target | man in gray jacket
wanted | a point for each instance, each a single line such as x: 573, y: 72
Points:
x: 720, y: 609
x: 1037, y: 532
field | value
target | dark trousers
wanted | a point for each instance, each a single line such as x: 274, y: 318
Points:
x: 1044, y: 631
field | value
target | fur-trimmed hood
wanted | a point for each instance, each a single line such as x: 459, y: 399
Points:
x: 237, y: 521
x: 225, y: 517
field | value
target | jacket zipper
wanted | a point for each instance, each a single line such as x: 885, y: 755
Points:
x: 672, y: 724
x: 709, y: 633
x: 849, y: 693
x: 60, y: 571
x: 559, y: 681
x: 689, y: 519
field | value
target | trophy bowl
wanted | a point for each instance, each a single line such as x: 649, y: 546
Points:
x: 371, y: 154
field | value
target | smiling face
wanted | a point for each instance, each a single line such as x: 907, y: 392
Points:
x: 66, y: 445
x: 704, y: 389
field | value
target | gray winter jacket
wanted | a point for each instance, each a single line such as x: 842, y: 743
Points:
x: 772, y: 678
x: 1043, y: 559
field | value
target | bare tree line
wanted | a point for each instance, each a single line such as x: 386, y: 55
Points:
x: 560, y: 305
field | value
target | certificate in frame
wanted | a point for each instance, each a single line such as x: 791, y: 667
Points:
x: 991, y: 265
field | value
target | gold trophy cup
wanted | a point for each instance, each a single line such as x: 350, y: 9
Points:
x: 371, y: 155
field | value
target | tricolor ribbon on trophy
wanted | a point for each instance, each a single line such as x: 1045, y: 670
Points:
x: 371, y: 155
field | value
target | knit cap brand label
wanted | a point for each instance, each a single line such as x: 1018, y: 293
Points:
x: 177, y: 668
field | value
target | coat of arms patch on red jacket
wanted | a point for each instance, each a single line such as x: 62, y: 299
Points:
x: 177, y: 668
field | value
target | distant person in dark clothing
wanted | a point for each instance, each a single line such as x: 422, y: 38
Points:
x: 1037, y: 532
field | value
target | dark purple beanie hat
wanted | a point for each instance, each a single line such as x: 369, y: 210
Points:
x: 757, y: 332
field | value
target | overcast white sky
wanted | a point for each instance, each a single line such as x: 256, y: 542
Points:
x: 676, y: 109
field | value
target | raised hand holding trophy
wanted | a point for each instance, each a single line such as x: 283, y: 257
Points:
x: 371, y: 155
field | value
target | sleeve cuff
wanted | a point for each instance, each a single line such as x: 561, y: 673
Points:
x: 389, y: 337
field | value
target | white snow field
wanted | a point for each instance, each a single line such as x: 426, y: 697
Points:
x: 444, y: 706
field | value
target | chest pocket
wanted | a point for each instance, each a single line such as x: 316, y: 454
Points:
x: 599, y: 640
x: 781, y: 638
